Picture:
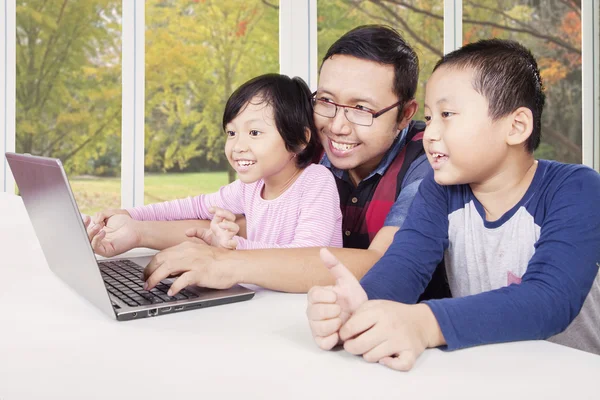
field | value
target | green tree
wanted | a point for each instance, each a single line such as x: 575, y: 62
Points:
x: 68, y: 85
x: 197, y: 53
x: 551, y: 28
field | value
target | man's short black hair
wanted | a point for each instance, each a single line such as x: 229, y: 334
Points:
x: 507, y: 75
x: 292, y: 111
x: 384, y: 45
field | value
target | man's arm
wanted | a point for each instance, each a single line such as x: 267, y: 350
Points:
x: 296, y: 270
x: 287, y: 270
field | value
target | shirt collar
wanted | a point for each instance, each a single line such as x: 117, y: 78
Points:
x: 385, y: 162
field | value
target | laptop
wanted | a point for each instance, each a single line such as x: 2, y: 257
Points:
x: 115, y: 286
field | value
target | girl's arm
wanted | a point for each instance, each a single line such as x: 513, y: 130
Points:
x: 229, y: 197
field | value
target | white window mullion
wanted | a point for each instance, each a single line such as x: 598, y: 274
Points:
x: 8, y: 76
x: 132, y: 120
x: 589, y: 77
x: 298, y: 39
x: 596, y: 67
x: 452, y: 25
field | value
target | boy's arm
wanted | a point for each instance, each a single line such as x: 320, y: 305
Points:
x: 417, y: 248
x: 557, y: 281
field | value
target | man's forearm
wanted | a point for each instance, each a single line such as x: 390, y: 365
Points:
x: 292, y: 270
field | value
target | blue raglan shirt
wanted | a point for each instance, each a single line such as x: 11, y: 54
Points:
x: 524, y: 276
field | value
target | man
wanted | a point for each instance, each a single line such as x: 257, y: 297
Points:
x: 363, y: 108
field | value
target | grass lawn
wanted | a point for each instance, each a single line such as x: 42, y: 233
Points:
x: 95, y: 194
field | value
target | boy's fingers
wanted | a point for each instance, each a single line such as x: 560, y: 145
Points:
x: 337, y: 269
x: 321, y: 294
x: 326, y: 327
x: 327, y: 343
x: 357, y: 324
x: 323, y: 311
x: 404, y: 362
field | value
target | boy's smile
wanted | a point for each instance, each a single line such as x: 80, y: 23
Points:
x: 462, y: 142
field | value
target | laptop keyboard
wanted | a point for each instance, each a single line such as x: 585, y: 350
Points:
x: 123, y: 280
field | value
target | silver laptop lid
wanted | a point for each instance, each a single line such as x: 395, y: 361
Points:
x: 47, y: 195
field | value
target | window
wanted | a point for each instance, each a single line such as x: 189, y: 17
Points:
x: 197, y: 54
x: 552, y: 31
x: 68, y: 92
x: 419, y: 21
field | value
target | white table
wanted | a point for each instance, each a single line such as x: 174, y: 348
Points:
x: 55, y: 345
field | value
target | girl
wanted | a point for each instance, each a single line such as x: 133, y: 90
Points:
x: 287, y: 200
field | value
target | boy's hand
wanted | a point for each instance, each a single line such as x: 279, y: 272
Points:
x: 391, y: 333
x: 331, y: 306
x: 112, y: 232
x: 223, y: 228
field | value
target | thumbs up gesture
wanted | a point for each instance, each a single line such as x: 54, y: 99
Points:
x: 329, y: 307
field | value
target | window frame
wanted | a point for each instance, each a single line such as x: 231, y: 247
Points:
x: 298, y: 57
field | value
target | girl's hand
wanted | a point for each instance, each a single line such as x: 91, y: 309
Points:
x: 223, y: 228
x: 112, y: 232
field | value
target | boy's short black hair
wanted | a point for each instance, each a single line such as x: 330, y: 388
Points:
x: 384, y: 45
x: 292, y: 111
x: 507, y: 75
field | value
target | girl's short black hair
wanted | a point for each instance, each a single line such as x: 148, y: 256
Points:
x: 292, y: 111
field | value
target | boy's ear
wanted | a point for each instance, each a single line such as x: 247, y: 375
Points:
x: 408, y: 112
x: 521, y: 126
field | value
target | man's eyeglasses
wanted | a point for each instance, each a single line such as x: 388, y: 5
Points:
x: 328, y: 109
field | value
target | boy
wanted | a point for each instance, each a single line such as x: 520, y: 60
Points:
x: 363, y: 112
x: 521, y: 237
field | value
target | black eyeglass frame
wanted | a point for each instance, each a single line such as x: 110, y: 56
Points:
x: 373, y: 114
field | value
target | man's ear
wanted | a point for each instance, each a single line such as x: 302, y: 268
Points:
x: 521, y: 126
x: 408, y: 112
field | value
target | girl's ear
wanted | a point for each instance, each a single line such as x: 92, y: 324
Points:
x: 521, y: 126
x: 307, y: 136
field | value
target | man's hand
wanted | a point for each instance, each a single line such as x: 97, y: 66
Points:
x: 193, y: 263
x: 391, y: 333
x: 112, y: 232
x: 330, y: 307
